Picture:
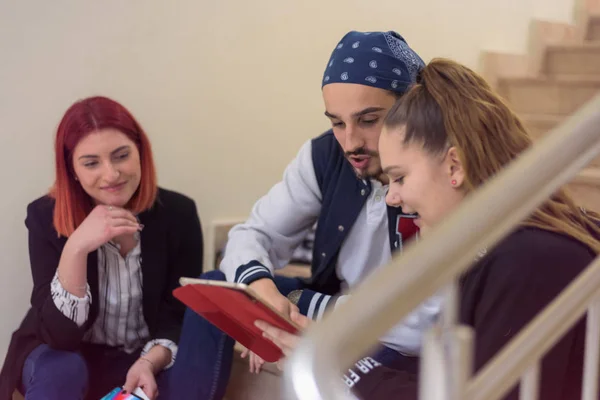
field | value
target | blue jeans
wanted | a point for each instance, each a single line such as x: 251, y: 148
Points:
x: 212, y: 364
x: 50, y: 374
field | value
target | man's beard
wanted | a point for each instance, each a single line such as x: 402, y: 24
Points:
x: 365, y: 174
x: 368, y: 175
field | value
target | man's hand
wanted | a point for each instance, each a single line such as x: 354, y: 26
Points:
x: 255, y: 361
x: 268, y: 292
x: 286, y: 341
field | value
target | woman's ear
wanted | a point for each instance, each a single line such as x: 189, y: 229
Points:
x: 456, y: 170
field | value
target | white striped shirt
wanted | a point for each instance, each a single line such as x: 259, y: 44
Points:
x: 120, y: 321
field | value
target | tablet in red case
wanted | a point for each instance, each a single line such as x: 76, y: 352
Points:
x: 233, y: 308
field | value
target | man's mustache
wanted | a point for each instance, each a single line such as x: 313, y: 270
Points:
x: 361, y: 151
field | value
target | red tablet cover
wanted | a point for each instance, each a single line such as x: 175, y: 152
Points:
x: 234, y: 313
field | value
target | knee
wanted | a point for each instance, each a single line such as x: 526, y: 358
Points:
x: 214, y: 275
x: 57, y: 371
x: 193, y: 323
x: 74, y: 367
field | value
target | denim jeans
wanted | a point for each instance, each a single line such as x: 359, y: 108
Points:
x: 51, y: 374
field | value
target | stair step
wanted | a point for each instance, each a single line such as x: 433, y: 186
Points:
x: 267, y: 385
x: 557, y: 95
x: 593, y: 32
x: 246, y: 386
x: 585, y: 188
x: 540, y: 125
x: 581, y: 59
x: 588, y: 176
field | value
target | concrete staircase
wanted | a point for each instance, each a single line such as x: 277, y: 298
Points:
x: 564, y: 76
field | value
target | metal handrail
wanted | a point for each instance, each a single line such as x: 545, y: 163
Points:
x: 313, y: 371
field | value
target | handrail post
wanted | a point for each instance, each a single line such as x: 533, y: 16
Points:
x: 592, y: 352
x: 530, y: 383
x: 461, y: 368
x: 432, y: 376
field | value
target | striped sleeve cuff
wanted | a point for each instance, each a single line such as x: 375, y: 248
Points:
x: 73, y: 307
x: 169, y: 344
x: 314, y: 305
x: 251, y: 272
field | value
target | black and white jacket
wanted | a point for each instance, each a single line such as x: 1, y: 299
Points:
x: 356, y: 233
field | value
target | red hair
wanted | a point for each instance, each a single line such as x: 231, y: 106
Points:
x: 73, y: 204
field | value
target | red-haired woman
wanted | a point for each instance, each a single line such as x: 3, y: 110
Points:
x: 107, y: 247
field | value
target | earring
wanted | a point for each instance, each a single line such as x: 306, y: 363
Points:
x: 453, y: 182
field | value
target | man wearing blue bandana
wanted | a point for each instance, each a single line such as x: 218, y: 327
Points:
x: 335, y: 181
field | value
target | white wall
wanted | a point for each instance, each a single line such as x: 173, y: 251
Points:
x: 555, y: 10
x: 227, y: 90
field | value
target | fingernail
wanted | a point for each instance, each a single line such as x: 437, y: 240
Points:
x: 141, y: 226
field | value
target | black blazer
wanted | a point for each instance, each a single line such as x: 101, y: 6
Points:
x: 171, y: 248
